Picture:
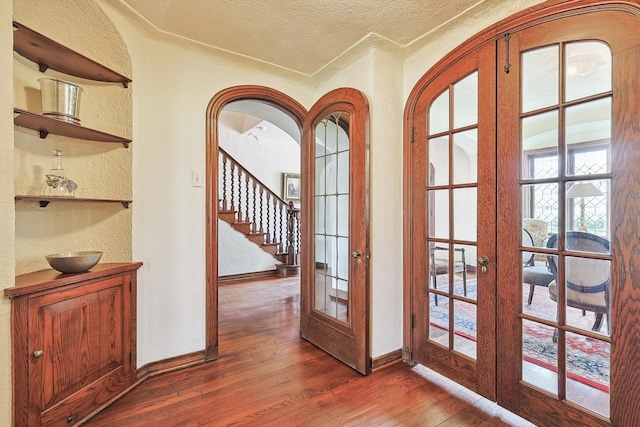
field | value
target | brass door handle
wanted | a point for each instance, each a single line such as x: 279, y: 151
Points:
x: 483, y: 261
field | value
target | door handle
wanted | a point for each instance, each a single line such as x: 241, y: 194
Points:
x: 356, y: 254
x: 483, y: 261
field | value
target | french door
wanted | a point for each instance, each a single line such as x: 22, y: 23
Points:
x: 566, y: 100
x: 453, y: 176
x: 334, y: 277
x: 556, y: 193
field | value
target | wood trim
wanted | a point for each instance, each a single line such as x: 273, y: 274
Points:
x: 150, y: 370
x: 385, y: 360
x: 236, y: 93
x: 235, y: 278
x: 44, y: 280
x: 171, y: 364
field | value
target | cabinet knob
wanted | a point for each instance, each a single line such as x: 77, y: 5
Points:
x: 38, y: 353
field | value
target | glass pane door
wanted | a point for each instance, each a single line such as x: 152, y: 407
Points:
x: 334, y: 305
x: 332, y: 217
x: 452, y: 221
x: 564, y: 186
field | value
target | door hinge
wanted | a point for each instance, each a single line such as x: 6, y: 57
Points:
x: 413, y: 321
x: 130, y: 358
x: 130, y: 286
x: 411, y: 134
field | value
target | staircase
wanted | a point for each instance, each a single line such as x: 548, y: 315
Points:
x: 252, y: 209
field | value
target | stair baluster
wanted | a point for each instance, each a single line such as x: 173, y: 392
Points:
x: 261, y: 210
x: 268, y: 235
x: 233, y: 193
x: 280, y: 236
x: 239, y: 171
x: 246, y: 188
x: 224, y: 182
x: 255, y: 207
x: 274, y: 223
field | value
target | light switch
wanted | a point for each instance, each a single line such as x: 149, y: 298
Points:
x: 196, y: 179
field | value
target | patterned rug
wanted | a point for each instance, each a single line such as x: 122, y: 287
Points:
x: 588, y: 360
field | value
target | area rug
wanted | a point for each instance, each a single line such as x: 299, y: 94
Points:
x: 588, y: 360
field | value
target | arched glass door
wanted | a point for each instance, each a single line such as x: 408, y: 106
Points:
x: 566, y: 299
x: 335, y: 303
x: 562, y: 121
x: 454, y: 163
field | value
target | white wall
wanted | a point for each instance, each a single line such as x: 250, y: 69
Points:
x: 382, y: 87
x: 7, y: 206
x: 173, y: 84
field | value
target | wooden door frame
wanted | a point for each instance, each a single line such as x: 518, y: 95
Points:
x: 274, y: 98
x: 624, y: 268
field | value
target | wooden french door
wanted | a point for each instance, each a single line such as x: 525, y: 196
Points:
x: 557, y: 189
x: 334, y: 277
x: 568, y: 133
x: 453, y: 173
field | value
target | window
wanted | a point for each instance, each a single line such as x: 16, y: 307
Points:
x: 584, y: 159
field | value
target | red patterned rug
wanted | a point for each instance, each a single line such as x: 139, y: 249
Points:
x: 588, y: 360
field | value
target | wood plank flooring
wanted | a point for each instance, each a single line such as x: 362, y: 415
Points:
x: 268, y: 375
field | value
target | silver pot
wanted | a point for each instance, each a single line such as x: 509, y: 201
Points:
x: 60, y: 99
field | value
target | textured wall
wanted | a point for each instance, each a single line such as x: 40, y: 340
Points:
x: 27, y: 232
x: 7, y: 264
x: 100, y: 170
x: 174, y: 82
x: 383, y: 91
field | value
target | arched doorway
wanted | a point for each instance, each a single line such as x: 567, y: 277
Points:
x: 253, y: 93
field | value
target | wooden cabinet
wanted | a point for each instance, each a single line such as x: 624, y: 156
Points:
x: 74, y: 342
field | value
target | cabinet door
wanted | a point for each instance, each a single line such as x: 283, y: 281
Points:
x: 79, y: 345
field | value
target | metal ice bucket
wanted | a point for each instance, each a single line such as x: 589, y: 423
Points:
x: 60, y: 99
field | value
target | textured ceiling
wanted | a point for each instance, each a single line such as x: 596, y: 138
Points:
x: 300, y: 35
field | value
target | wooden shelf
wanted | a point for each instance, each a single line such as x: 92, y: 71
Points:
x: 48, y: 53
x: 46, y: 125
x: 44, y: 201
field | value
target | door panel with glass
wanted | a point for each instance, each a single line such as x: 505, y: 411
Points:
x: 335, y: 306
x: 454, y: 153
x: 565, y: 298
x: 558, y: 99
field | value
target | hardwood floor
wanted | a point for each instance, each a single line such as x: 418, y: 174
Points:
x: 268, y: 375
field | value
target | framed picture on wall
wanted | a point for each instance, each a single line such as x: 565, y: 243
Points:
x: 291, y: 187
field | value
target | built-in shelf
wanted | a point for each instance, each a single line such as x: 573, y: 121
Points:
x: 44, y: 201
x: 46, y: 125
x: 48, y: 53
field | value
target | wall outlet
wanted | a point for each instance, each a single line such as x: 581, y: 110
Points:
x: 196, y: 179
